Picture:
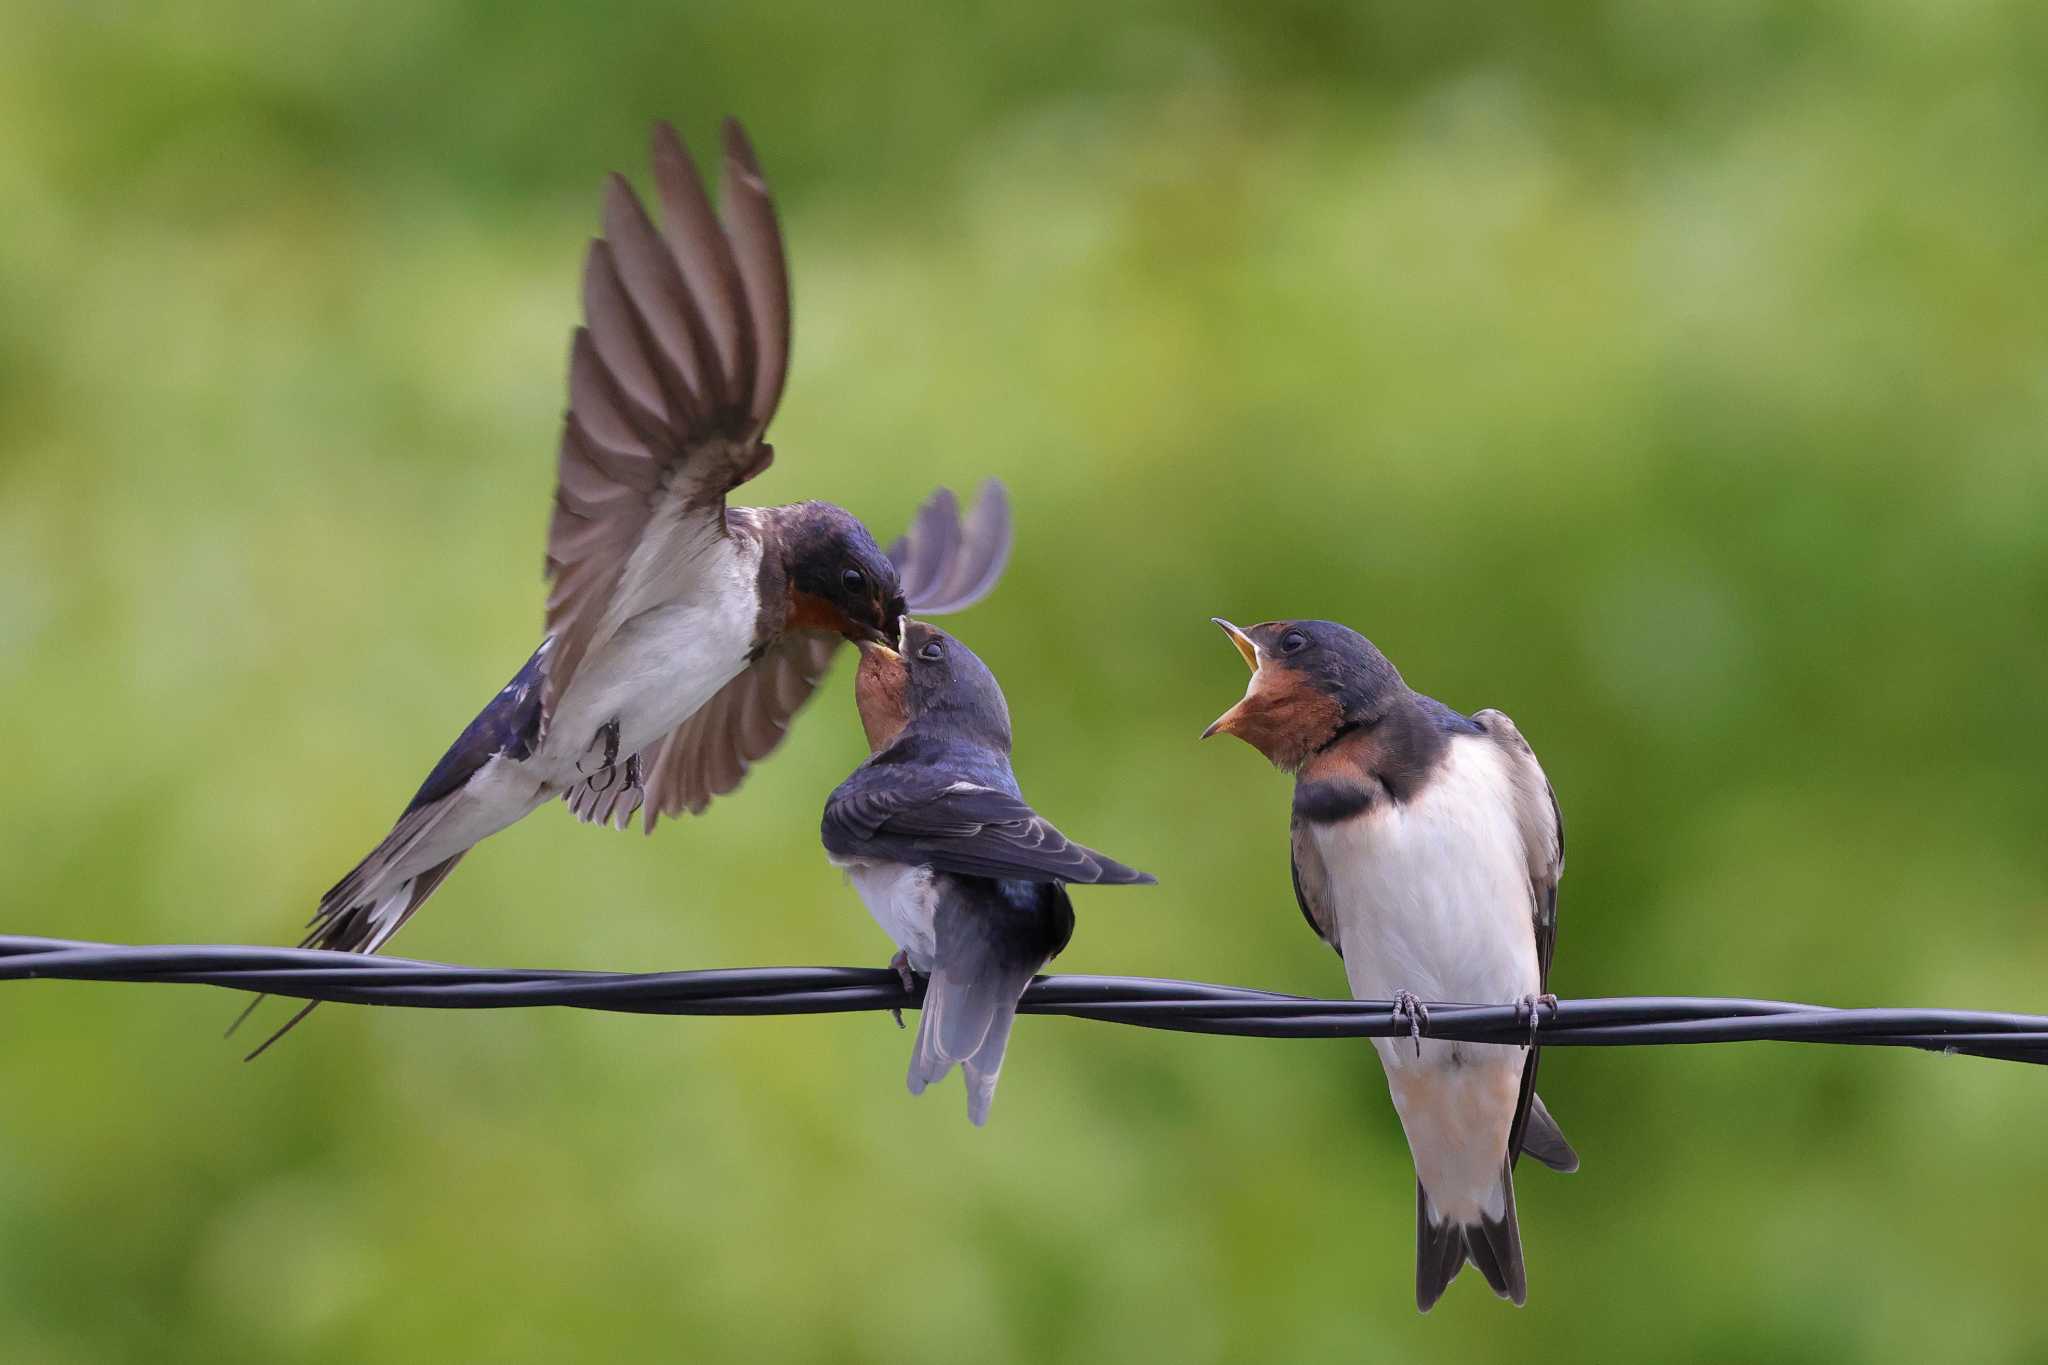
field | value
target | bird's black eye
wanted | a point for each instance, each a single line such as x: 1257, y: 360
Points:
x: 853, y: 580
x: 932, y: 651
x: 1293, y: 642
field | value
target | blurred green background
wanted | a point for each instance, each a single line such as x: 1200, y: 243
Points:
x: 1673, y: 377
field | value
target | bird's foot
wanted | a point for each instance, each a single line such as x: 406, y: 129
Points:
x: 1407, y: 1007
x: 607, y: 738
x: 1532, y: 1004
x: 627, y: 799
x: 900, y: 964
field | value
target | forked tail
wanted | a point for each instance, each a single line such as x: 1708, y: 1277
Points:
x: 967, y: 1019
x: 1494, y: 1244
x: 353, y: 918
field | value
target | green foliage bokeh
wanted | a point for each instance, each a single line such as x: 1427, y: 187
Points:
x: 1672, y: 377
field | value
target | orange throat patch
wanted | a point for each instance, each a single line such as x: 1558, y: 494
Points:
x: 1283, y: 716
x: 881, y: 689
x: 808, y: 611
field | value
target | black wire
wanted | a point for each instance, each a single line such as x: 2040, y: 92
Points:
x: 1183, y: 1006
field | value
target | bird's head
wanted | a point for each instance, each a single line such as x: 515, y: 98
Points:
x: 1311, y: 681
x: 839, y: 579
x: 928, y: 675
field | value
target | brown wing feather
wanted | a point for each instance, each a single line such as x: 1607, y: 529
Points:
x: 709, y: 754
x: 672, y: 381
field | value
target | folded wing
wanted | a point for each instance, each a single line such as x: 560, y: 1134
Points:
x: 1542, y: 829
x: 924, y: 816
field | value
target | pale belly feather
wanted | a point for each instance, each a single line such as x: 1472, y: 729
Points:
x: 651, y: 675
x: 659, y: 667
x: 902, y: 899
x: 1433, y: 897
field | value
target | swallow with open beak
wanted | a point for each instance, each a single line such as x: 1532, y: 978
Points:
x: 1427, y: 849
x: 682, y: 633
x: 967, y: 879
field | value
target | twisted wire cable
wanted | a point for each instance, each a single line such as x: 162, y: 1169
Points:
x: 1181, y: 1006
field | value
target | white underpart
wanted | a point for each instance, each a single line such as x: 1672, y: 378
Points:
x: 651, y: 674
x: 654, y: 671
x: 903, y: 901
x: 1433, y: 897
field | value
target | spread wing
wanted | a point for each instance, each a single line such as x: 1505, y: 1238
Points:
x: 946, y: 565
x: 672, y: 380
x: 1542, y: 828
x: 919, y: 815
x: 1312, y: 886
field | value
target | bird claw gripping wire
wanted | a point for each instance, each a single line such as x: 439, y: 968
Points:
x: 1407, y: 1007
x: 900, y: 964
x: 1532, y: 1004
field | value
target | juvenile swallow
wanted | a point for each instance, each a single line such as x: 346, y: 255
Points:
x: 681, y: 634
x: 966, y: 878
x: 1427, y: 848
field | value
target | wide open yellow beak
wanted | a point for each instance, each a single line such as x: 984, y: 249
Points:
x: 1227, y: 722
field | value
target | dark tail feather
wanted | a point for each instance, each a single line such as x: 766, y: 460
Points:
x: 1496, y: 1247
x: 1442, y: 1248
x: 289, y: 1025
x: 360, y: 928
x: 1439, y: 1253
x: 986, y: 1064
x: 967, y: 1018
x: 1543, y: 1140
x: 988, y: 949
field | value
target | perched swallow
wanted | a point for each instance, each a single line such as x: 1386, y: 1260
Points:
x: 967, y: 879
x: 682, y: 634
x: 1427, y: 850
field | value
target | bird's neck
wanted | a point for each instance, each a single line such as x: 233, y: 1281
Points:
x: 881, y: 690
x: 1394, y: 752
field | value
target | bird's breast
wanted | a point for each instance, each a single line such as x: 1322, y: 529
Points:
x: 660, y: 666
x: 1432, y: 895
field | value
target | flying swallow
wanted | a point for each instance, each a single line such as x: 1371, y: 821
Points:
x: 966, y: 878
x: 1427, y: 849
x: 682, y: 633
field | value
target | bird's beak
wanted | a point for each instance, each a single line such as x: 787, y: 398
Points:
x: 886, y: 633
x: 878, y: 642
x: 1242, y: 641
x: 1227, y: 722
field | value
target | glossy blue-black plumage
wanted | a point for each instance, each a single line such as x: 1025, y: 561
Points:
x: 1446, y: 720
x: 941, y: 793
x: 509, y: 724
